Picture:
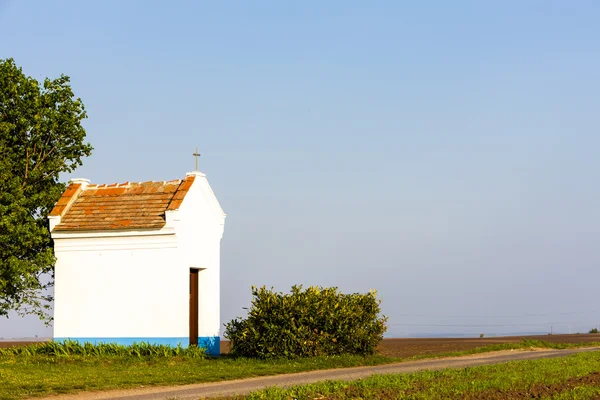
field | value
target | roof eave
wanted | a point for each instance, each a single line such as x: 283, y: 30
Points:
x: 74, y: 234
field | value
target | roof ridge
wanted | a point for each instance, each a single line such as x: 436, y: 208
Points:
x: 129, y: 184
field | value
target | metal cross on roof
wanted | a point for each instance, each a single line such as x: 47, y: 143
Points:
x: 196, y: 154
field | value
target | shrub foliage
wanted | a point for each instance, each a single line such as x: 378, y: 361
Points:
x: 308, y: 322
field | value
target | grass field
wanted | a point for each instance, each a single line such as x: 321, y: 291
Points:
x: 30, y: 374
x: 573, y: 377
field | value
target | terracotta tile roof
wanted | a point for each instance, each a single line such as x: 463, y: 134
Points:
x: 119, y: 206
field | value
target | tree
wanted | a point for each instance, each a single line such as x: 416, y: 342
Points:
x: 41, y: 136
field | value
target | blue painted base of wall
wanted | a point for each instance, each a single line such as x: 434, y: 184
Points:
x: 211, y: 343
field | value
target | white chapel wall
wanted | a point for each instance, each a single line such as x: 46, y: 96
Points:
x: 199, y: 233
x: 133, y: 286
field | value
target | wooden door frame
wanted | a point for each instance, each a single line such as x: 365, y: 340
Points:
x: 193, y: 333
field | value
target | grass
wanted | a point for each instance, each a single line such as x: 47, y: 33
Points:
x: 572, y: 377
x: 73, y: 348
x: 34, y: 371
x: 29, y: 376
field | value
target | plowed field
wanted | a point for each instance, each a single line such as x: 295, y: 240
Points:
x: 415, y: 347
x: 8, y: 343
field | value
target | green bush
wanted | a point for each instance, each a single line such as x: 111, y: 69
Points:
x: 594, y: 330
x: 304, y: 323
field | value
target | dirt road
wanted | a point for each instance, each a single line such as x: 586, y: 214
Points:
x: 243, y: 386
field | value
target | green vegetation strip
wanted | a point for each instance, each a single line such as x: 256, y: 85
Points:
x: 38, y: 371
x: 572, y: 377
x: 73, y: 348
x: 30, y: 376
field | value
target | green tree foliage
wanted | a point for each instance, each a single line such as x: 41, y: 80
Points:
x: 312, y: 322
x: 40, y: 137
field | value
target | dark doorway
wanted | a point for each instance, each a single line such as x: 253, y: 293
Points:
x: 193, y: 307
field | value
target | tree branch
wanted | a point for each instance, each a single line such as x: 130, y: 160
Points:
x: 26, y: 166
x: 43, y: 157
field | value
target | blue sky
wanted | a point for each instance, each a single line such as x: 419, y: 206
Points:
x: 443, y: 153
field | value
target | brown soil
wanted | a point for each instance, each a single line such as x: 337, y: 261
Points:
x: 8, y: 343
x: 417, y: 347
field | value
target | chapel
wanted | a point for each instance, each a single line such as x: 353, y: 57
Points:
x: 138, y: 261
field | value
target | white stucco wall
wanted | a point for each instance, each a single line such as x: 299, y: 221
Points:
x: 131, y: 286
x: 199, y: 232
x: 128, y: 284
